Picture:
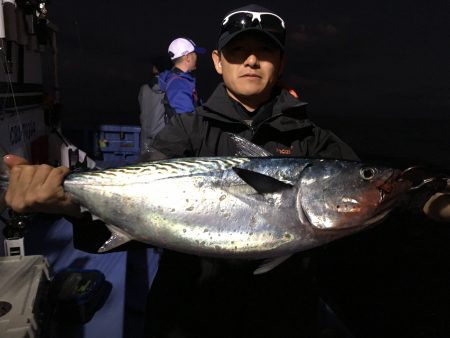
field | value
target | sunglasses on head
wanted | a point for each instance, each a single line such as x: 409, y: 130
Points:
x: 266, y: 21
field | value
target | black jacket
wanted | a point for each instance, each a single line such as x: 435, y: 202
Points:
x: 281, y: 126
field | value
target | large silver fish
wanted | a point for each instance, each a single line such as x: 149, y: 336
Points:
x: 239, y: 207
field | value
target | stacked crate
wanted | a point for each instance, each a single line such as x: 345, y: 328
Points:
x: 119, y: 144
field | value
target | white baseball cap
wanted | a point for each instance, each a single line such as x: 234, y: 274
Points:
x: 182, y: 46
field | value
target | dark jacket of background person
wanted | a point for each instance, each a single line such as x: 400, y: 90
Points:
x: 152, y: 104
x: 152, y: 112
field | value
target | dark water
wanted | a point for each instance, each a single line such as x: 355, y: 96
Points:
x: 394, y: 279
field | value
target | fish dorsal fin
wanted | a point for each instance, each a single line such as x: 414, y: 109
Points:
x: 245, y: 148
x: 269, y: 264
x: 118, y: 237
x: 261, y: 183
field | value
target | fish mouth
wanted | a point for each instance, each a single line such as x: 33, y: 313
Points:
x: 389, y: 191
x: 394, y: 185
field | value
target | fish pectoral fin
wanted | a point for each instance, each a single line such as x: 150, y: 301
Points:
x: 269, y: 264
x: 118, y: 237
x: 261, y: 183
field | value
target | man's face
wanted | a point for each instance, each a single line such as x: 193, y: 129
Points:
x: 250, y: 65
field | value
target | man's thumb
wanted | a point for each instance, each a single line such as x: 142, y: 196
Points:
x: 13, y: 160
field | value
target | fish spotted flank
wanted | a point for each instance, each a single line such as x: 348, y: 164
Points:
x: 241, y: 207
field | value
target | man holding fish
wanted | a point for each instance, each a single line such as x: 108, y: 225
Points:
x: 222, y: 297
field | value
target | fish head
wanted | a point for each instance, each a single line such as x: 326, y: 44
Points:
x: 343, y: 195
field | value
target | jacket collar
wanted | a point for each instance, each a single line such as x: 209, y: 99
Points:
x: 220, y: 106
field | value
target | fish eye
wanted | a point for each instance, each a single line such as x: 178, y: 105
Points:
x: 367, y: 173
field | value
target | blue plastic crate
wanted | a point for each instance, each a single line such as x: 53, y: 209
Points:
x: 119, y: 138
x: 117, y: 159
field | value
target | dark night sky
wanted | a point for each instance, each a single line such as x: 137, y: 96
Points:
x: 346, y: 58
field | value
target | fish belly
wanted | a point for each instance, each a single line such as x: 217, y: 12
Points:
x: 212, y: 216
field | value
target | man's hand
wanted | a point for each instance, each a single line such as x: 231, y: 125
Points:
x: 38, y: 188
x: 438, y: 206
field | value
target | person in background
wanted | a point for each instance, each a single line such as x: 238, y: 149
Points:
x: 152, y: 105
x: 199, y: 297
x: 179, y: 82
